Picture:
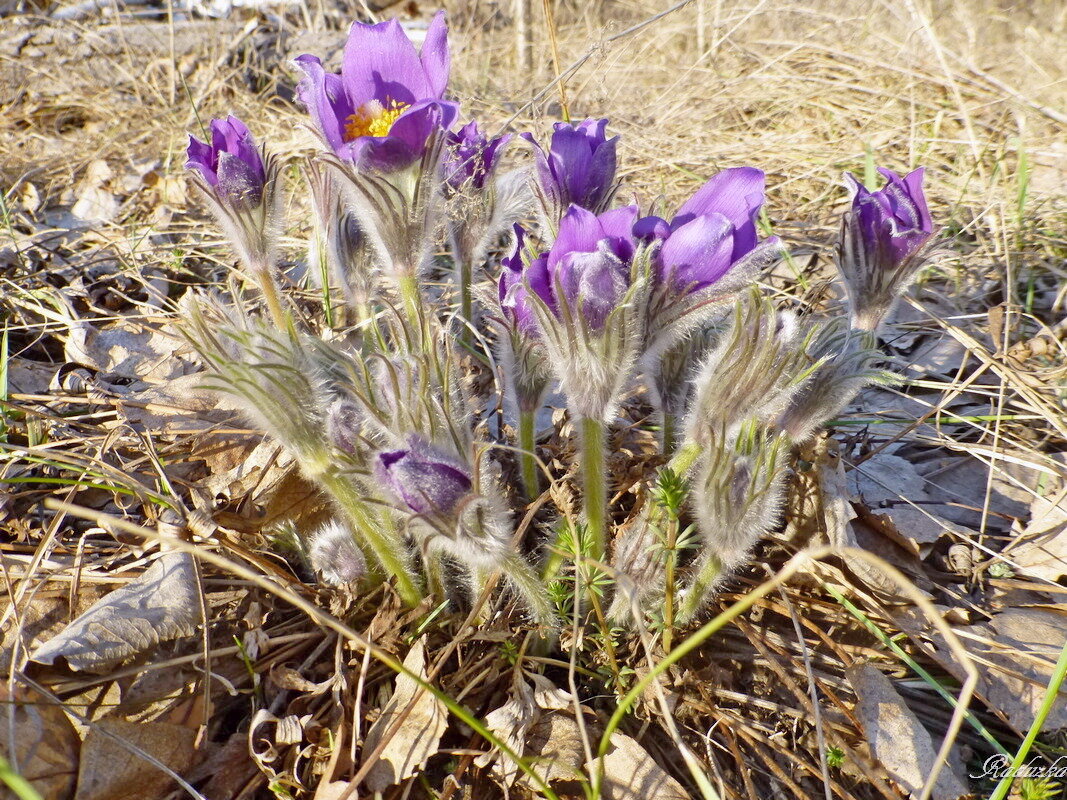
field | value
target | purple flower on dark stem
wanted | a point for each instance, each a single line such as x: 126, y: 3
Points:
x: 472, y: 156
x: 427, y: 480
x: 712, y: 232
x: 894, y: 221
x: 231, y: 164
x: 387, y: 101
x: 588, y: 267
x: 579, y: 167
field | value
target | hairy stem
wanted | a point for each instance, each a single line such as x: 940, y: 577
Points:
x: 699, y: 588
x: 529, y: 586
x: 527, y: 457
x: 594, y: 485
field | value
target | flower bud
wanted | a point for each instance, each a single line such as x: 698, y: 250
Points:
x: 424, y: 478
x: 335, y: 555
x: 879, y: 250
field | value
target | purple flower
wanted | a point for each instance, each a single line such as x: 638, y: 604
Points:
x: 510, y: 287
x: 883, y: 236
x: 894, y: 222
x: 387, y: 101
x: 427, y: 480
x: 472, y: 156
x: 710, y: 234
x: 231, y: 164
x: 587, y: 270
x: 579, y: 167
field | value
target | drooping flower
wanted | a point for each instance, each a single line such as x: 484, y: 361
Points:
x: 231, y: 164
x: 578, y: 169
x: 424, y: 478
x: 388, y: 100
x: 883, y: 236
x: 471, y: 157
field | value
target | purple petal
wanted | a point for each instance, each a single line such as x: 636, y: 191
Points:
x: 202, y: 158
x: 617, y: 227
x: 380, y: 63
x: 539, y: 280
x: 698, y: 253
x: 650, y: 229
x: 324, y: 97
x: 436, y: 60
x: 238, y: 182
x: 738, y: 195
x: 593, y: 283
x: 425, y: 479
x: 579, y: 231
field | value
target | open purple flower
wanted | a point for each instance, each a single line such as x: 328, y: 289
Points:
x: 579, y: 167
x: 427, y: 480
x: 587, y: 270
x: 231, y: 164
x: 714, y: 231
x: 883, y: 237
x: 472, y: 156
x: 387, y: 101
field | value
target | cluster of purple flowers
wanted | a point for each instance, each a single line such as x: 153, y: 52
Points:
x: 590, y: 295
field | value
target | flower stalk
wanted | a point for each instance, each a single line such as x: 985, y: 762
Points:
x: 527, y: 453
x: 594, y: 485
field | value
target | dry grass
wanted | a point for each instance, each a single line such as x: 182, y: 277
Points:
x: 971, y: 90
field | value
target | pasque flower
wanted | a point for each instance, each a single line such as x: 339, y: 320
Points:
x: 240, y: 184
x: 578, y: 169
x: 702, y: 257
x: 471, y: 157
x: 231, y: 164
x: 424, y: 478
x: 883, y: 236
x: 712, y: 233
x: 587, y: 270
x: 387, y: 101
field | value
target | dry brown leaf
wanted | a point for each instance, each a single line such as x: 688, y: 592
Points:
x: 419, y: 734
x: 111, y: 771
x: 897, y: 738
x: 129, y: 349
x: 161, y: 604
x: 554, y: 746
x: 630, y: 773
x: 45, y: 746
x: 1043, y: 553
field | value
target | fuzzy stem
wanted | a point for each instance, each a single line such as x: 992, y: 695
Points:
x: 668, y: 432
x: 669, y: 586
x: 528, y: 447
x: 412, y: 302
x: 526, y: 582
x: 699, y: 588
x: 684, y: 459
x: 384, y: 547
x: 594, y: 485
x: 269, y: 288
x: 466, y: 307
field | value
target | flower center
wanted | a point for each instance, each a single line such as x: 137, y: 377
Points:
x: 373, y: 119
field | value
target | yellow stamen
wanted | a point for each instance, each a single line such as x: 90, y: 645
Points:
x: 373, y: 119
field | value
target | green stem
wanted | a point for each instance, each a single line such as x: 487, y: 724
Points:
x: 527, y: 457
x: 685, y: 458
x: 466, y: 307
x: 412, y: 301
x: 668, y: 432
x: 594, y: 485
x: 526, y: 582
x: 387, y: 549
x: 274, y: 304
x: 669, y: 587
x: 698, y: 589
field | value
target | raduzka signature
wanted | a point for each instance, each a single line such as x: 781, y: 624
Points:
x: 999, y: 766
